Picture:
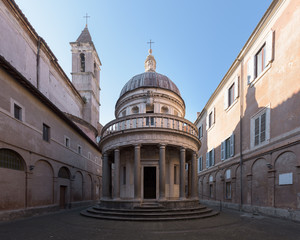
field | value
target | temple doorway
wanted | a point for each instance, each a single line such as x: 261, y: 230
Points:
x: 149, y: 182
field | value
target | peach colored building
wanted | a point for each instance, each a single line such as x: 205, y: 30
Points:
x: 49, y: 157
x: 253, y: 120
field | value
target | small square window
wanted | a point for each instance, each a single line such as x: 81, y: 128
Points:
x: 46, y: 133
x: 17, y: 112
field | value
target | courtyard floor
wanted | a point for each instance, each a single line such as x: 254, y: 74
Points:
x: 71, y: 225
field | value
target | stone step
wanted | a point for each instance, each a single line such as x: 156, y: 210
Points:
x: 149, y: 214
x: 160, y: 218
x: 146, y: 210
x: 146, y: 214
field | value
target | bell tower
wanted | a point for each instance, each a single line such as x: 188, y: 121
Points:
x: 86, y: 75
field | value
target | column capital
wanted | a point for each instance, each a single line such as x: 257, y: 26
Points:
x: 137, y: 145
x: 162, y: 145
x: 117, y: 149
x: 182, y: 149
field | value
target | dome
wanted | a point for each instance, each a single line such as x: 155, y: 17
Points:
x: 150, y: 79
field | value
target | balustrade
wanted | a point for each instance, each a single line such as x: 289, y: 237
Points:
x: 149, y: 121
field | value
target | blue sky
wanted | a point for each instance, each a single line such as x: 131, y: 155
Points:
x: 196, y: 41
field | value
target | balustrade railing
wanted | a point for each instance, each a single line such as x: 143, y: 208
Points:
x: 149, y: 121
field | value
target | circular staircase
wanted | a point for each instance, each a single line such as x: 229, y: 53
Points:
x: 149, y: 212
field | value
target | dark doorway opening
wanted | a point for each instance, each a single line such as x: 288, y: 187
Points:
x: 149, y: 182
x: 62, y: 200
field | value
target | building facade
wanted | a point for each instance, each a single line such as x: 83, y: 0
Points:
x: 149, y: 150
x: 49, y: 157
x: 250, y: 126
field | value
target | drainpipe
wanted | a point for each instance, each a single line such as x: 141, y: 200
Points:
x: 38, y: 64
x: 241, y: 131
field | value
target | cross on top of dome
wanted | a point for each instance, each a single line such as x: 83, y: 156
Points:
x: 150, y: 63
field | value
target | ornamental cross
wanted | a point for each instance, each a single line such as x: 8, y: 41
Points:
x: 150, y: 43
x: 86, y: 18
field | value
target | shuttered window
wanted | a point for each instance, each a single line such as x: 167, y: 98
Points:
x: 200, y: 164
x: 259, y: 61
x: 260, y: 129
x: 231, y: 93
x: 210, y: 119
x: 210, y: 158
x: 227, y: 148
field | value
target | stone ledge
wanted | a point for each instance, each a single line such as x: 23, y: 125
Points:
x: 15, y: 214
x: 289, y: 214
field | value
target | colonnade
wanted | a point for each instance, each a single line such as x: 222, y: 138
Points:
x: 106, y: 174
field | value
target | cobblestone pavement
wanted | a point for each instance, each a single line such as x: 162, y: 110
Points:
x: 229, y: 225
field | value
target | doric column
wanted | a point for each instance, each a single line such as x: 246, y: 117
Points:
x: 194, y: 176
x: 117, y: 174
x: 182, y: 173
x: 137, y: 171
x: 105, y: 175
x: 162, y: 171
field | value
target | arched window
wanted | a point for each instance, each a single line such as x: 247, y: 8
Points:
x: 82, y: 62
x: 95, y: 68
x: 64, y: 173
x: 12, y: 160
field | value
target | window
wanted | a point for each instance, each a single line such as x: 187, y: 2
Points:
x: 228, y: 174
x: 79, y: 149
x: 210, y: 158
x: 89, y: 155
x: 260, y: 61
x: 200, y: 164
x: 200, y: 131
x: 260, y: 128
x: 12, y: 160
x: 231, y: 93
x: 17, y: 112
x: 67, y: 142
x: 149, y: 108
x: 64, y: 173
x: 82, y: 62
x: 124, y: 175
x: 95, y: 69
x: 228, y: 190
x: 210, y: 119
x: 227, y: 148
x: 46, y: 133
